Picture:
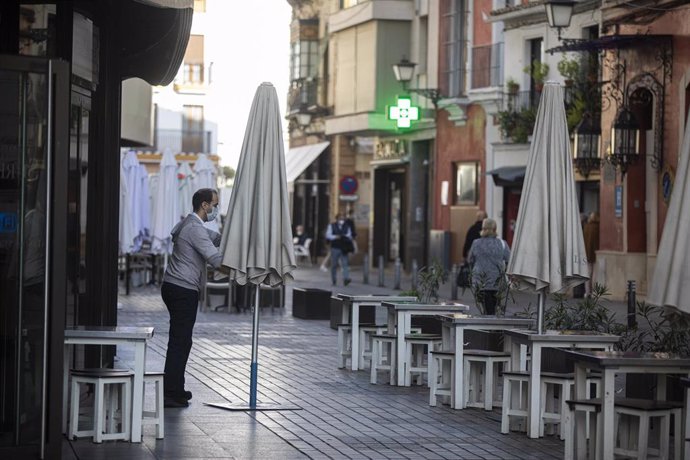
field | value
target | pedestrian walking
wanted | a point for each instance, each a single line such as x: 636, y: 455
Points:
x: 350, y: 222
x: 591, y: 237
x: 194, y: 246
x: 473, y: 233
x: 340, y: 237
x: 488, y: 257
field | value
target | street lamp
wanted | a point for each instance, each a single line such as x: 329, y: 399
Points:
x: 559, y: 13
x: 404, y: 70
x: 587, y: 149
x: 625, y: 140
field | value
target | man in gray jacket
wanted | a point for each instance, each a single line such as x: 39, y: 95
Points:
x: 194, y: 246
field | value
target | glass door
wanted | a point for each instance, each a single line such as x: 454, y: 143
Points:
x: 32, y: 137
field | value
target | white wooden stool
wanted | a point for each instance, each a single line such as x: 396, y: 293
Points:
x: 103, y: 418
x: 156, y: 416
x: 479, y: 369
x: 644, y: 411
x: 344, y: 344
x: 365, y: 341
x: 383, y: 356
x: 592, y: 408
x: 418, y: 347
x: 514, y: 404
x: 442, y: 376
x: 556, y: 388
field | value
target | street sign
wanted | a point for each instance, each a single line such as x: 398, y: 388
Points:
x: 348, y: 185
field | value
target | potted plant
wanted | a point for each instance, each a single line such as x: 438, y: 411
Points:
x: 569, y: 69
x: 538, y: 71
x: 516, y: 126
x: 512, y: 86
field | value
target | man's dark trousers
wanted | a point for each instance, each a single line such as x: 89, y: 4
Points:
x: 182, y: 305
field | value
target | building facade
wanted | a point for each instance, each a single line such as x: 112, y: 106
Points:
x: 633, y: 62
x: 61, y: 70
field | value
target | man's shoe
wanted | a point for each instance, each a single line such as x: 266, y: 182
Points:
x: 347, y: 281
x: 175, y: 402
x: 188, y: 395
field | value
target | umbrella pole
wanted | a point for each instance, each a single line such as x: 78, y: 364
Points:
x: 541, y: 301
x: 253, y: 374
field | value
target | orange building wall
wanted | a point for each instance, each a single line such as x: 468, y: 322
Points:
x: 482, y: 30
x: 456, y: 144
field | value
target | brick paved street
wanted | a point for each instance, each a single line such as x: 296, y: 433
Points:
x: 342, y: 416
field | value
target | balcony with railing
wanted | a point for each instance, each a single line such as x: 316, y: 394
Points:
x: 179, y: 140
x: 194, y: 78
x: 516, y: 120
x: 303, y: 93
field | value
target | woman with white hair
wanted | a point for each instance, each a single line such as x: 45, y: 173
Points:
x: 488, y: 257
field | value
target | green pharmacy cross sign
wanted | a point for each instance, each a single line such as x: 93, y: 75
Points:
x: 404, y: 113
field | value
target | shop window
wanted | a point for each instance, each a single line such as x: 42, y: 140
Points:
x: 466, y: 184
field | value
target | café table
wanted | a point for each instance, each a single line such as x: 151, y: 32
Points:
x: 453, y: 335
x: 351, y: 305
x: 117, y: 335
x: 550, y: 339
x: 610, y: 363
x: 400, y: 322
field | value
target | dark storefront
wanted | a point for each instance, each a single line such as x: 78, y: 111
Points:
x: 61, y: 68
x: 401, y: 197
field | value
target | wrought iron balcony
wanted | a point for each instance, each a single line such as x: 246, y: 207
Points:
x: 303, y: 93
x: 179, y: 140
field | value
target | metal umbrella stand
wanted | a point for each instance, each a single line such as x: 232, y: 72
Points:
x: 257, y: 240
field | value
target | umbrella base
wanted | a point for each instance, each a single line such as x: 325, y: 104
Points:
x: 247, y: 407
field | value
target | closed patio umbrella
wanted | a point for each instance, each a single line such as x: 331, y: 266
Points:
x: 548, y: 253
x: 166, y: 205
x: 185, y: 186
x: 671, y: 281
x: 257, y: 239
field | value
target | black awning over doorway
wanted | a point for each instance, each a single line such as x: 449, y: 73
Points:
x: 508, y: 176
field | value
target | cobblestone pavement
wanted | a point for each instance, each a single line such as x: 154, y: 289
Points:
x: 342, y: 415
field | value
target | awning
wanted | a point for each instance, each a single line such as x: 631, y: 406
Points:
x: 508, y: 176
x: 299, y: 159
x: 152, y: 38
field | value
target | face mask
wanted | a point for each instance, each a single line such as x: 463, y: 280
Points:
x: 341, y: 222
x: 213, y: 215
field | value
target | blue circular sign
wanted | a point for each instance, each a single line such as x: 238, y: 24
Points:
x: 348, y: 185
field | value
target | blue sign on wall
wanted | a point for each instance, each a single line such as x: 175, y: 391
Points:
x: 8, y: 222
x: 619, y: 201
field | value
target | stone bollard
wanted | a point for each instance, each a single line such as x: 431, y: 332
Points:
x: 414, y: 275
x: 398, y: 273
x: 453, y: 283
x: 381, y: 274
x: 365, y: 271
